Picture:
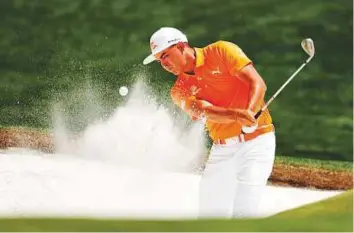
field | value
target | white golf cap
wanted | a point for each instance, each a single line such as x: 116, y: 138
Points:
x: 162, y: 39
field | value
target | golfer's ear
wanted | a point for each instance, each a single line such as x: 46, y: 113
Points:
x: 181, y: 46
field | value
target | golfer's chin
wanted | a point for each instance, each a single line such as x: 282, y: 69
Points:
x: 175, y: 72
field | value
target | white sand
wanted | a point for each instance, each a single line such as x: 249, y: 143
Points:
x: 65, y: 186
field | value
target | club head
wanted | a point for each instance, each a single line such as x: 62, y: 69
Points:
x: 309, y: 47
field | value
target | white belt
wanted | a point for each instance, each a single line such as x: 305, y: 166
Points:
x: 237, y: 139
x: 232, y: 140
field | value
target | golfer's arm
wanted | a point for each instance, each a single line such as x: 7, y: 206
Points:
x: 257, y: 86
x: 221, y: 115
x: 213, y: 113
x: 182, y: 101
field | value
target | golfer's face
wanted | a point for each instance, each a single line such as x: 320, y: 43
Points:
x: 172, y: 60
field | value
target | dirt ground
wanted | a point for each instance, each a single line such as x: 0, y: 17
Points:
x: 282, y: 175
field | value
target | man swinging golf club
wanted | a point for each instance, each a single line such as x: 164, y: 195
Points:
x: 220, y: 83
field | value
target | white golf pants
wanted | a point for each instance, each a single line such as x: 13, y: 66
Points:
x: 235, y: 177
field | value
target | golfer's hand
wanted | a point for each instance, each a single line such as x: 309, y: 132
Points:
x: 245, y: 117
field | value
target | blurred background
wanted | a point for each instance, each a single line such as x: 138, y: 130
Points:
x: 79, y: 52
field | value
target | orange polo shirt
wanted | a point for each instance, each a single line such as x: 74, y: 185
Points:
x: 213, y: 82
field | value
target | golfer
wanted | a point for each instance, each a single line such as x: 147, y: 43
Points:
x: 220, y: 83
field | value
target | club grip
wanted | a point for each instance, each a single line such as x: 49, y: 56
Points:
x: 258, y: 114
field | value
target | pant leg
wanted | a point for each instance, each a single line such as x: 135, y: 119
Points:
x: 218, y: 183
x: 255, y: 167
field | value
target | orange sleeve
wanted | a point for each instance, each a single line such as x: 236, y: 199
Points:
x: 178, y: 96
x: 233, y: 56
x: 181, y: 99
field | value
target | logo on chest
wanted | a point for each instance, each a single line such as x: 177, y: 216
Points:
x: 195, y: 90
x: 215, y: 72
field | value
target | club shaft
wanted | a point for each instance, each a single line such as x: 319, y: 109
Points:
x: 282, y: 87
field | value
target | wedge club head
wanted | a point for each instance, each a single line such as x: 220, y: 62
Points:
x: 309, y: 47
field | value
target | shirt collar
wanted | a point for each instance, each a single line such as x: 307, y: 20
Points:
x: 199, y: 60
x: 199, y: 57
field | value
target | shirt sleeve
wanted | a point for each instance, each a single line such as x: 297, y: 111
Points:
x: 233, y: 56
x: 181, y: 98
x: 178, y: 96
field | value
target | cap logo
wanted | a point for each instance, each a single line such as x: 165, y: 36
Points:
x: 153, y: 45
x: 174, y: 40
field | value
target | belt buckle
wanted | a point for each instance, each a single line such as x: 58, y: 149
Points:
x: 233, y: 140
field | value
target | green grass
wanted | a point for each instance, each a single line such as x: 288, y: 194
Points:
x: 333, y: 214
x: 22, y: 128
x: 315, y: 163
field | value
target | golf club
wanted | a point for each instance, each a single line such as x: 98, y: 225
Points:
x: 308, y: 46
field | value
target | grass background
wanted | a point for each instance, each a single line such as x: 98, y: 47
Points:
x: 315, y: 163
x: 79, y: 52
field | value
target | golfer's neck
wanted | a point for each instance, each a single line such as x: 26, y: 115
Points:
x: 191, y: 59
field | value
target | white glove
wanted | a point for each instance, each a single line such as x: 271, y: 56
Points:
x: 249, y: 129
